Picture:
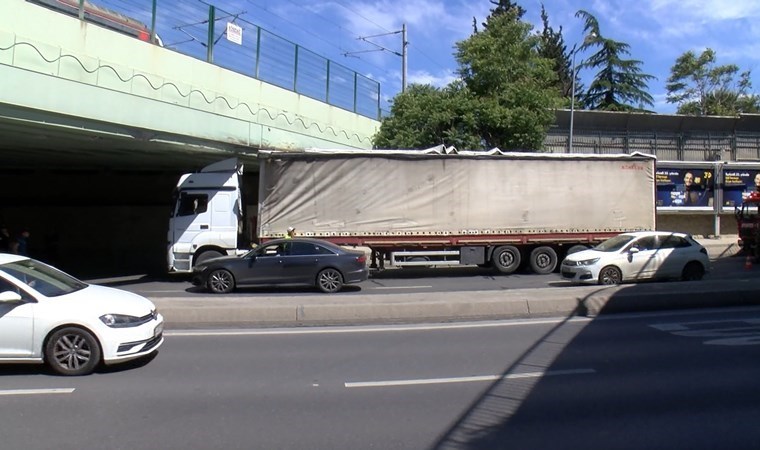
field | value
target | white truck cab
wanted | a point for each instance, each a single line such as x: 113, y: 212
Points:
x: 206, y: 216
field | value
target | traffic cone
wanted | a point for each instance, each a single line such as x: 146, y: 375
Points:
x: 748, y: 263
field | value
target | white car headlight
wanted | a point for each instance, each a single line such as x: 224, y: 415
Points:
x: 586, y: 262
x: 121, y: 320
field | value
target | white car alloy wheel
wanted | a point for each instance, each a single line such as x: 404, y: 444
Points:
x: 72, y: 351
x: 610, y: 275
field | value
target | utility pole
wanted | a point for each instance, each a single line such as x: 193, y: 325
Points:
x: 380, y: 48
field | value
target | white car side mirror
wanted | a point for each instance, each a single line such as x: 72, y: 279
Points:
x: 9, y: 296
x: 633, y: 250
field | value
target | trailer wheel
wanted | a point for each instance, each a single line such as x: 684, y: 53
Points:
x: 576, y: 248
x: 543, y: 260
x: 506, y: 258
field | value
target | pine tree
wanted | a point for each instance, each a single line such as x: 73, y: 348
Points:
x: 619, y: 83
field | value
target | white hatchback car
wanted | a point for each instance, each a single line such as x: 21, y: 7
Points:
x: 638, y: 256
x: 48, y: 316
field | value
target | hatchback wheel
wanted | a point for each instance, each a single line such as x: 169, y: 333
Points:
x: 693, y: 272
x: 72, y: 351
x: 329, y: 281
x: 610, y: 275
x: 221, y: 281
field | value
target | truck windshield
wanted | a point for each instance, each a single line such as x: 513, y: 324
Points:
x: 614, y: 244
x: 46, y: 280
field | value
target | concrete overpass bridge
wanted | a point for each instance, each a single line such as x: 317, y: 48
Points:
x: 97, y: 125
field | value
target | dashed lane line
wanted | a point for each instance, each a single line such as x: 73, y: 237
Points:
x: 36, y: 391
x: 511, y: 376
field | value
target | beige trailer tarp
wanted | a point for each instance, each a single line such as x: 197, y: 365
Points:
x: 355, y: 193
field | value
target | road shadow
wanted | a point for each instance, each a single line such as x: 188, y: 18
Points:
x: 31, y: 369
x: 580, y: 387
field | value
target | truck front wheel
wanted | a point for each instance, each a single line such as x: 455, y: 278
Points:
x: 506, y: 258
x: 543, y: 260
x: 206, y: 255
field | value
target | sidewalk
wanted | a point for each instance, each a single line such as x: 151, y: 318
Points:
x: 720, y: 247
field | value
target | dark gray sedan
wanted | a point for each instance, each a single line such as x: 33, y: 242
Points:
x: 298, y: 261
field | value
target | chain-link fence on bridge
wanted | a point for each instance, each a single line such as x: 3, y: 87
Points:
x: 227, y: 37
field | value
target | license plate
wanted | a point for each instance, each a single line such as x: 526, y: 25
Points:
x: 159, y: 328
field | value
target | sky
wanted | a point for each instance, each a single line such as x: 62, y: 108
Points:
x: 658, y: 32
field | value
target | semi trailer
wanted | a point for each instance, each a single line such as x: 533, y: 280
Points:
x: 436, y: 207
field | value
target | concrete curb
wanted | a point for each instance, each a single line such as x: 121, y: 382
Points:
x: 214, y: 312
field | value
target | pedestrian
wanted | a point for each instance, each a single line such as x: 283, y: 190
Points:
x: 5, y: 240
x: 291, y: 232
x: 22, y: 243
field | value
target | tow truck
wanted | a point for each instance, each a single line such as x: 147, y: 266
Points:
x: 748, y: 221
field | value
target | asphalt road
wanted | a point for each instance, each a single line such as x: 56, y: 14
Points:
x: 407, y: 280
x: 667, y: 380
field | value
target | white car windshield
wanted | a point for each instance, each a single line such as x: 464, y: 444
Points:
x: 44, y: 279
x: 614, y: 244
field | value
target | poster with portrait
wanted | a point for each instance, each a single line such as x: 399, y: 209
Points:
x: 685, y: 187
x: 738, y: 183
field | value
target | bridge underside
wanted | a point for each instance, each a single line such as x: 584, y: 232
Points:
x: 33, y: 139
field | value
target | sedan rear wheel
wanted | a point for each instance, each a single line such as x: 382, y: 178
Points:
x: 329, y: 281
x: 610, y: 275
x: 221, y: 281
x: 72, y: 351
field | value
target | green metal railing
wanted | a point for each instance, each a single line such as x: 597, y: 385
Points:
x: 199, y: 29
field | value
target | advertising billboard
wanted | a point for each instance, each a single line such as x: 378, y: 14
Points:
x: 738, y: 183
x: 685, y: 187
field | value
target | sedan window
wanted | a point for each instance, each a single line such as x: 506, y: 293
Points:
x: 673, y: 242
x: 615, y: 243
x: 274, y: 250
x: 306, y: 248
x: 8, y: 286
x: 646, y: 243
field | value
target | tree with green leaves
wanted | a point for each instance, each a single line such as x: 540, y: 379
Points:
x: 619, y: 84
x: 513, y: 84
x: 501, y: 7
x: 505, y: 98
x: 700, y: 87
x: 424, y: 116
x: 552, y: 46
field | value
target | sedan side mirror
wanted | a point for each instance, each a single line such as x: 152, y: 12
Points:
x: 9, y: 296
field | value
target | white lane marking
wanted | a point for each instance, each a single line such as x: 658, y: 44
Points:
x: 731, y: 332
x: 36, y: 391
x: 146, y: 293
x: 400, y: 287
x: 390, y: 383
x: 361, y: 329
